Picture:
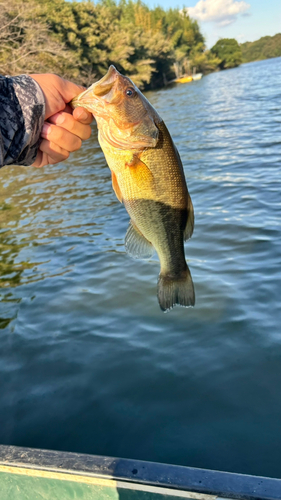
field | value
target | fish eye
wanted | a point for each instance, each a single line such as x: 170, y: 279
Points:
x: 130, y: 92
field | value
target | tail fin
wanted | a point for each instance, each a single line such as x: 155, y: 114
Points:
x: 175, y: 290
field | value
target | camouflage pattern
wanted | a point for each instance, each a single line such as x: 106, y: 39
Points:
x: 22, y: 112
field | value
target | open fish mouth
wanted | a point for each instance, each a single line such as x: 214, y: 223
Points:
x: 91, y: 98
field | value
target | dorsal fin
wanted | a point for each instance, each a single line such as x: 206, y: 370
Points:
x: 190, y: 219
x: 189, y: 207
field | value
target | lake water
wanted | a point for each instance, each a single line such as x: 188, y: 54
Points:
x: 88, y: 362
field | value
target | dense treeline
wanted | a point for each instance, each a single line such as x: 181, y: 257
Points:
x: 264, y: 48
x: 229, y: 52
x: 79, y: 40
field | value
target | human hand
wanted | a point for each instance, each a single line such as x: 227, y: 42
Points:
x: 64, y: 128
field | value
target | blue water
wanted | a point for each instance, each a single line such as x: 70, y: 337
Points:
x: 88, y: 362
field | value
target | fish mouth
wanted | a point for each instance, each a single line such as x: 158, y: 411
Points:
x: 91, y: 98
x: 106, y: 83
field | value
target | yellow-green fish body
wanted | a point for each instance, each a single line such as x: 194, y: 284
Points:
x: 148, y: 177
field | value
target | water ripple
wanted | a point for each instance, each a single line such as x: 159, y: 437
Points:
x: 88, y: 361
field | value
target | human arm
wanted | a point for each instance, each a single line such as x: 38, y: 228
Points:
x: 22, y: 110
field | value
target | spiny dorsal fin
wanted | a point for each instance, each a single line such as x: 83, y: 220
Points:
x: 190, y: 220
x: 136, y: 244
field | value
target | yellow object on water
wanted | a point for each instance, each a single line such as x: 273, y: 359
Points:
x: 183, y: 79
x: 148, y: 177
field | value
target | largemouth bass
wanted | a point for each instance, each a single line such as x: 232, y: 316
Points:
x: 148, y: 177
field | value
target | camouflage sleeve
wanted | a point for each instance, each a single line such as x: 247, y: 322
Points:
x: 22, y: 112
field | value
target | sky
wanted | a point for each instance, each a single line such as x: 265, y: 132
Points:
x: 245, y: 20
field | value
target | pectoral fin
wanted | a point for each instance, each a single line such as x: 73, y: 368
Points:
x: 140, y: 173
x: 136, y: 244
x: 116, y: 187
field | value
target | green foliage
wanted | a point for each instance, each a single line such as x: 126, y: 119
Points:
x: 228, y: 51
x: 26, y: 44
x: 79, y: 40
x: 264, y: 48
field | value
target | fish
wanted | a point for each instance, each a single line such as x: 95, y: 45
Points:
x: 148, y: 178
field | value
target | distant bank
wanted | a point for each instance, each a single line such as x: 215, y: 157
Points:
x: 264, y: 48
x: 80, y: 40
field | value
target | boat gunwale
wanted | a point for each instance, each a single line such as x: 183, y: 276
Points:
x: 174, y: 477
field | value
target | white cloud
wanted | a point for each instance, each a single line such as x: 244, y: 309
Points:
x: 221, y: 12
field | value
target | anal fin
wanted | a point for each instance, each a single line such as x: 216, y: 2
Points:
x: 116, y: 187
x: 136, y: 244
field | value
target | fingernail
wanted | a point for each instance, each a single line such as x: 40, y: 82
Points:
x: 46, y: 129
x: 83, y: 115
x: 58, y: 119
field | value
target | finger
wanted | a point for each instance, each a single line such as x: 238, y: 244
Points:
x: 68, y: 109
x: 61, y: 137
x: 57, y: 91
x: 68, y: 90
x: 52, y: 150
x: 38, y: 160
x: 67, y: 122
x: 80, y: 114
x: 42, y: 159
x: 83, y: 116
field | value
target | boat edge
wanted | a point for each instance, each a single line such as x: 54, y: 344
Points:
x: 218, y: 483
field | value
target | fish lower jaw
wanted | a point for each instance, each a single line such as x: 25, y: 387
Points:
x: 92, y: 105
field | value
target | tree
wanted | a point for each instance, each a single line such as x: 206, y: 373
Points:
x: 26, y: 43
x: 228, y: 51
x: 264, y: 48
x: 79, y: 40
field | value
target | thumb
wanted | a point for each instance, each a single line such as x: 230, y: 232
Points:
x: 57, y: 92
x: 68, y: 90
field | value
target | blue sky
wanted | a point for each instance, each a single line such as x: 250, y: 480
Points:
x: 245, y: 20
